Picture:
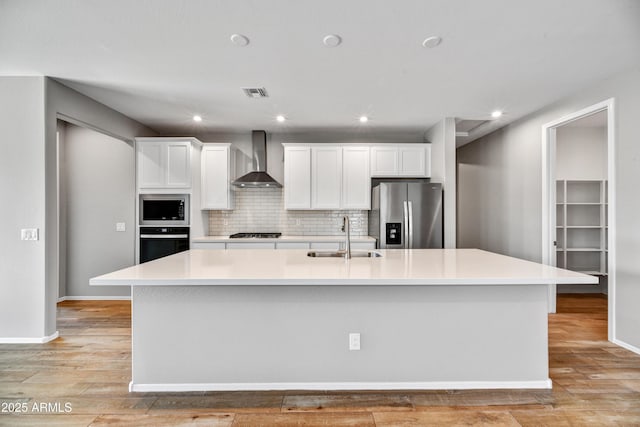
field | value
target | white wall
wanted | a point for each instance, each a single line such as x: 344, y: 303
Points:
x: 581, y: 153
x: 442, y: 137
x: 500, y: 185
x: 99, y: 181
x: 22, y: 179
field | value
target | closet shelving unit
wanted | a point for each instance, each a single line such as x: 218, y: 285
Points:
x: 581, y: 226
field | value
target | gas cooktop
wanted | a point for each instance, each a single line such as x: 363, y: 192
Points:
x: 255, y: 235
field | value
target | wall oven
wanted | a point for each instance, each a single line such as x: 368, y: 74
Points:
x: 164, y: 209
x: 158, y: 242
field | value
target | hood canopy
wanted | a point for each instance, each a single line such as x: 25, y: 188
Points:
x: 258, y: 177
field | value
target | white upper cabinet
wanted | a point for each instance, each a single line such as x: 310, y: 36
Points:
x: 356, y: 178
x: 401, y: 160
x: 322, y: 176
x: 297, y: 177
x: 217, y: 162
x: 163, y: 163
x: 326, y: 177
x: 384, y: 160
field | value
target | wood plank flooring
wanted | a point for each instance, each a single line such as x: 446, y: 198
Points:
x: 88, y: 369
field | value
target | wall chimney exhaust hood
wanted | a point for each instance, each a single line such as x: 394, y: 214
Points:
x: 258, y: 177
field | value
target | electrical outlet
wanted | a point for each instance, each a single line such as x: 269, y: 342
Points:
x: 29, y: 234
x: 298, y: 221
x: 121, y: 226
x: 354, y: 341
x: 225, y: 222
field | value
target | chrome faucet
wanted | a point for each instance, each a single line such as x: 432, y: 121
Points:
x: 346, y: 227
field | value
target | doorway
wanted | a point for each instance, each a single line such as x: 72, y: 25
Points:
x: 96, y: 210
x: 578, y: 198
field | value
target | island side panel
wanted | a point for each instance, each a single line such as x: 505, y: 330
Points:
x: 274, y: 337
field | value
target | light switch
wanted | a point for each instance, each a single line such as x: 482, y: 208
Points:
x: 354, y: 341
x: 121, y: 226
x: 29, y: 234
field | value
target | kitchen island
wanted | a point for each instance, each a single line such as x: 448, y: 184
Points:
x: 278, y: 319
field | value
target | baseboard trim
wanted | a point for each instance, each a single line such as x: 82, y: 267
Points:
x: 426, y: 385
x: 95, y: 298
x: 18, y: 340
x: 627, y: 346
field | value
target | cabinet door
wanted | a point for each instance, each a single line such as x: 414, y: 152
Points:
x: 333, y: 246
x: 356, y: 178
x: 207, y: 245
x: 297, y: 178
x: 384, y: 161
x: 164, y: 164
x: 178, y: 165
x: 150, y: 165
x: 292, y: 245
x: 215, y: 175
x: 326, y: 177
x: 251, y: 245
x: 413, y: 160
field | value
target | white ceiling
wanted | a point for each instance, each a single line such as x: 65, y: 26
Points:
x: 162, y: 61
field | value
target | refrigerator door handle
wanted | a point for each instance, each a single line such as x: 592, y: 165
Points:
x: 406, y: 224
x: 410, y: 225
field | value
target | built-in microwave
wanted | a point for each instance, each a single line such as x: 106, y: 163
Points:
x: 164, y: 209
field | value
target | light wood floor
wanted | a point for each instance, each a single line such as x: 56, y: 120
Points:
x: 88, y: 368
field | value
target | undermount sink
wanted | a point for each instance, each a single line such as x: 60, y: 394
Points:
x: 342, y: 254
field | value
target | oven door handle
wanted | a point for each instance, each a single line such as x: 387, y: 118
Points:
x: 164, y: 236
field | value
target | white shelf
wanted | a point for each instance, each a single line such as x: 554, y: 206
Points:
x: 581, y: 226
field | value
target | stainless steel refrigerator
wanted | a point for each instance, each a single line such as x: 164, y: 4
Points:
x: 406, y: 215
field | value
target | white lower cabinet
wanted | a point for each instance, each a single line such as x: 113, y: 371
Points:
x: 251, y: 245
x: 363, y: 246
x: 292, y: 245
x: 208, y: 245
x: 333, y: 246
x: 330, y: 246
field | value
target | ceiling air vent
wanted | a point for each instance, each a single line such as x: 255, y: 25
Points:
x: 255, y: 92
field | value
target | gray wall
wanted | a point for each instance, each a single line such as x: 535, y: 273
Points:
x: 99, y: 182
x: 500, y: 190
x: 66, y: 103
x: 29, y: 273
x: 22, y: 177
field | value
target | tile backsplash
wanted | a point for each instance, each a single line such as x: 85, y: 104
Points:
x: 262, y: 210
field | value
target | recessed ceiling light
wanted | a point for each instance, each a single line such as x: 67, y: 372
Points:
x: 239, y: 40
x: 332, y: 40
x: 197, y: 118
x: 364, y: 119
x: 496, y: 114
x: 432, y: 41
x: 280, y: 118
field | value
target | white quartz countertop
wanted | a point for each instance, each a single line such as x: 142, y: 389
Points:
x: 336, y: 238
x: 259, y: 267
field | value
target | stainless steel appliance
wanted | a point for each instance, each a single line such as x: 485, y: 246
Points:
x: 255, y: 235
x: 406, y: 215
x: 157, y: 242
x: 258, y: 177
x: 164, y: 209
